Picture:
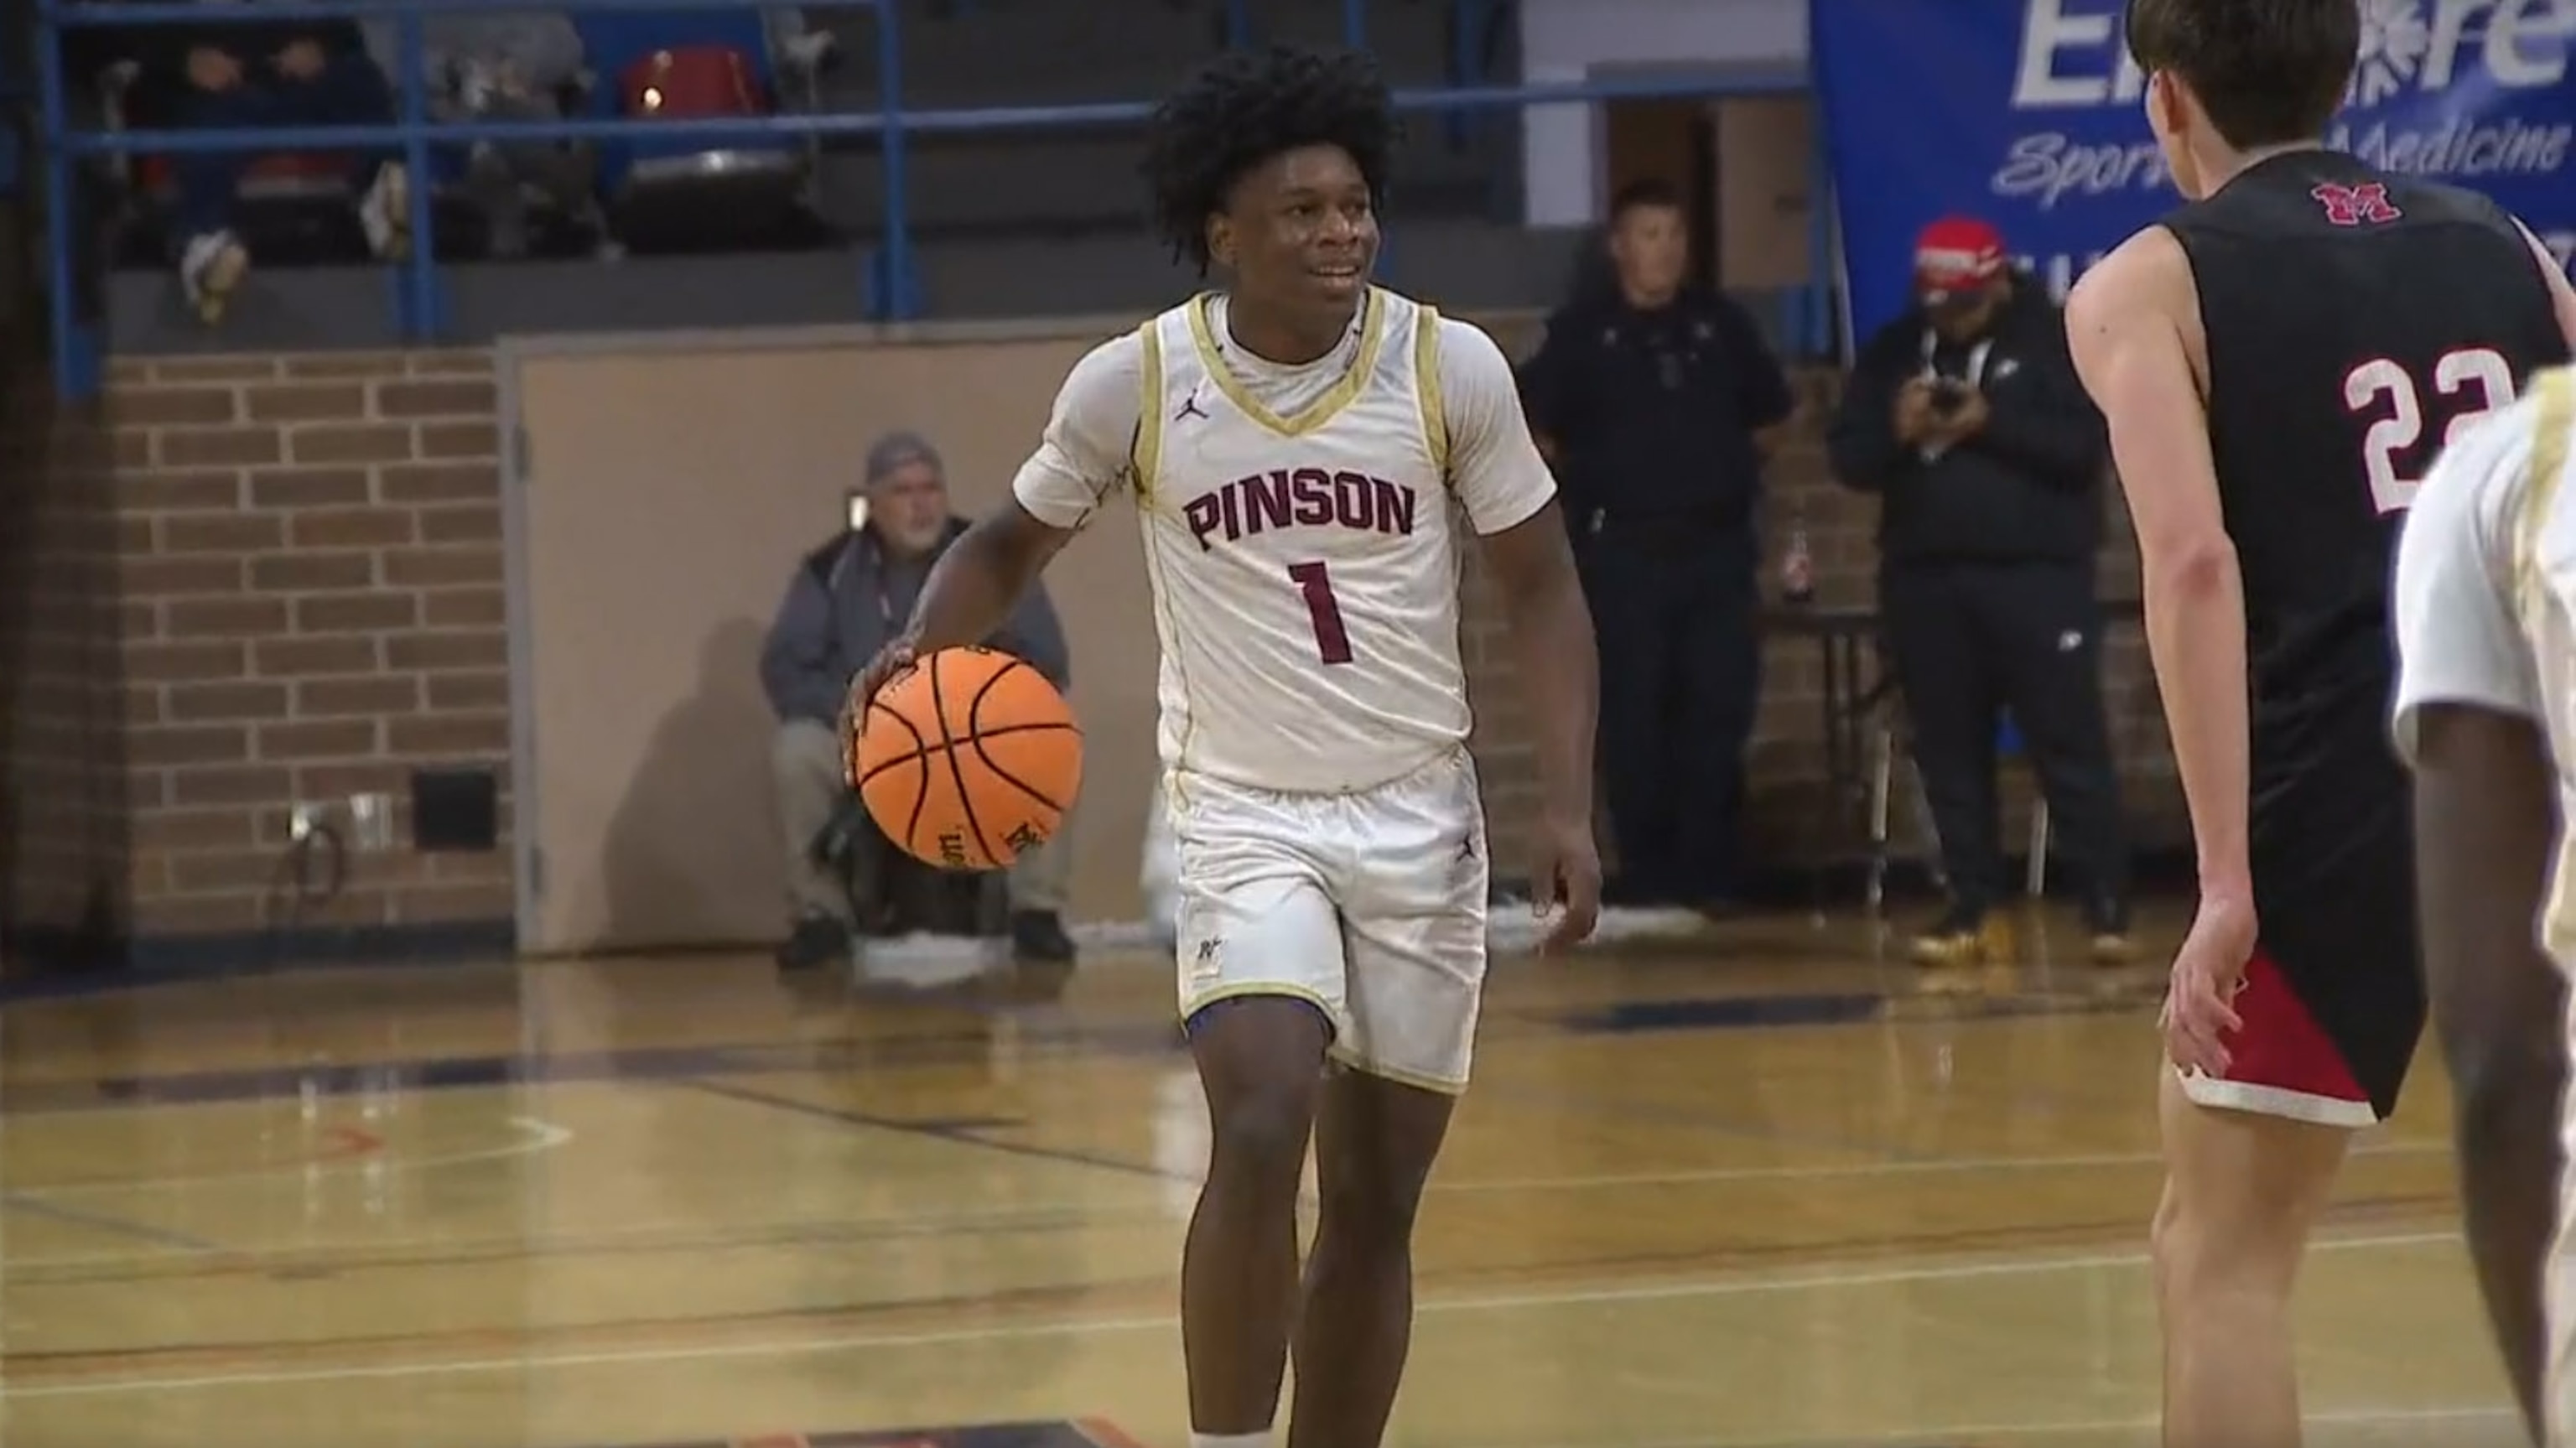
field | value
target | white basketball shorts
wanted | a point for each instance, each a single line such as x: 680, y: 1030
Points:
x: 2558, y: 1302
x: 1370, y: 905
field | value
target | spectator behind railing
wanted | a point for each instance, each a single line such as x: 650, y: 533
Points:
x: 235, y: 69
x: 482, y: 66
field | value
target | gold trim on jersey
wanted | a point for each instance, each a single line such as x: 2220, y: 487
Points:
x: 2556, y: 413
x: 1426, y: 387
x: 1325, y: 408
x: 1149, y: 464
x: 1148, y: 456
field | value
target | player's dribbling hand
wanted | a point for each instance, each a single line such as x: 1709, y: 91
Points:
x: 891, y: 660
x: 2200, y: 1006
x: 1566, y: 878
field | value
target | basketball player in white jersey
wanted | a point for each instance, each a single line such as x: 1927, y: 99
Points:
x: 1301, y: 451
x: 2485, y: 607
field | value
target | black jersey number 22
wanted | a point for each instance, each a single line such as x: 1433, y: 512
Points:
x: 2467, y: 384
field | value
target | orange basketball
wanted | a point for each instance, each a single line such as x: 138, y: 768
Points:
x: 967, y: 758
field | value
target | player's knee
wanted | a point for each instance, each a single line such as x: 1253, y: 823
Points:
x: 1371, y: 1211
x: 2203, y: 1247
x: 1258, y: 1137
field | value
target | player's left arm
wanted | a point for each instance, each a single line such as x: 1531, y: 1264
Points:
x: 1034, y: 632
x: 2466, y: 720
x: 2124, y: 333
x: 1510, y: 500
x: 2562, y: 293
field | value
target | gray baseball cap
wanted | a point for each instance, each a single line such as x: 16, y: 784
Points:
x: 900, y: 450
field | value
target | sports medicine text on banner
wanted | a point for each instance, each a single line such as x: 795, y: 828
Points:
x: 2029, y: 114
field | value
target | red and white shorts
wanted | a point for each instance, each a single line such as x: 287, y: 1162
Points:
x: 2283, y: 1063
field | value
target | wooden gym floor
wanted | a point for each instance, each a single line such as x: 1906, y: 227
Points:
x: 1759, y: 1192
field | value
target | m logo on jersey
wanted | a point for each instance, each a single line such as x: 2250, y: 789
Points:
x: 1300, y: 498
x: 2364, y: 205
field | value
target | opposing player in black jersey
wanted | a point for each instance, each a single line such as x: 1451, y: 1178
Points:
x: 2279, y: 360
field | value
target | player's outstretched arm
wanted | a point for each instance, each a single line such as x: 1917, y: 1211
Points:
x: 1086, y: 452
x: 2467, y: 702
x: 1510, y: 501
x: 978, y: 582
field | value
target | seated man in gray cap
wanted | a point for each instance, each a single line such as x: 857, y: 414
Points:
x: 846, y: 600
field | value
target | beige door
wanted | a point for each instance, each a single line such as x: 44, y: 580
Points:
x: 667, y: 493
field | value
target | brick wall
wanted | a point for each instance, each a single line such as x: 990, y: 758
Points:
x: 311, y: 607
x: 63, y: 835
x: 293, y: 591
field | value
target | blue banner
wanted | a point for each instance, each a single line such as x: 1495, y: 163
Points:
x: 2029, y: 114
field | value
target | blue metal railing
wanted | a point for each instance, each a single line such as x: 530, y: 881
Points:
x: 417, y: 295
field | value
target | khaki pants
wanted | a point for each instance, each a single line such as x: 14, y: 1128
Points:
x: 805, y: 765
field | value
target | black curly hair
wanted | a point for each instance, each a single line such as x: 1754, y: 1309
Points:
x: 1245, y: 107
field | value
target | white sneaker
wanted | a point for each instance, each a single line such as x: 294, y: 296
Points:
x: 211, y: 265
x: 385, y: 213
x: 808, y: 52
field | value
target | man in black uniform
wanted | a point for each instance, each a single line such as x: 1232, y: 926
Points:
x: 2278, y: 362
x: 1965, y: 418
x: 1649, y: 397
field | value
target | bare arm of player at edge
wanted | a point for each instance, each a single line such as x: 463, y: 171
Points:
x: 2466, y: 721
x: 1495, y: 467
x: 2483, y: 833
x: 2131, y: 324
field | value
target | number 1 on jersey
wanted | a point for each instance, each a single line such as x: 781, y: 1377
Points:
x: 1332, y: 637
x: 2379, y: 380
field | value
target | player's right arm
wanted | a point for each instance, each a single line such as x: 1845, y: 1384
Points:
x: 2124, y: 326
x: 1085, y: 454
x: 2466, y: 721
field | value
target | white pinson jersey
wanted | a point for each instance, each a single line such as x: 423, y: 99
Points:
x: 1301, y: 530
x: 1304, y: 566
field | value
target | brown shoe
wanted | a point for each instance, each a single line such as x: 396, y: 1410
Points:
x: 1963, y: 940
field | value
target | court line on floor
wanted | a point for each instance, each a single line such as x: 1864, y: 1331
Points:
x: 2145, y: 1424
x: 536, y: 1138
x: 1907, y: 1166
x: 954, y: 1135
x: 1818, y: 1280
x: 1883, y: 1164
x: 27, y: 1204
x: 1081, y: 1215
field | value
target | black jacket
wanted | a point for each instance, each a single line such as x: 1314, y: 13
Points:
x: 161, y: 86
x: 1651, y: 414
x: 2027, y: 488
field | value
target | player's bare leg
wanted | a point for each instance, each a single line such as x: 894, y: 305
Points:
x: 1261, y: 1062
x: 2242, y: 1193
x: 1374, y: 1147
